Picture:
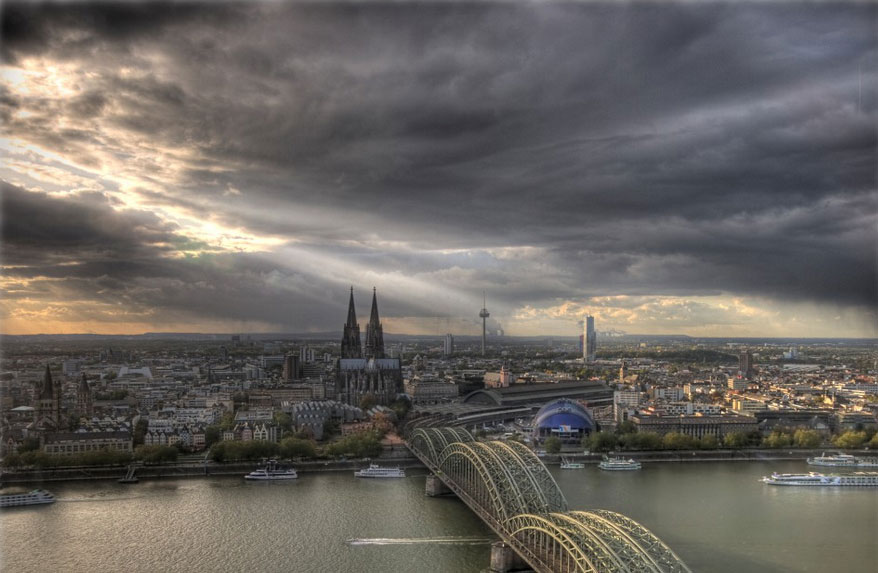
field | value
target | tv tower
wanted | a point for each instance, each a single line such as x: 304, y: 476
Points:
x: 484, y: 314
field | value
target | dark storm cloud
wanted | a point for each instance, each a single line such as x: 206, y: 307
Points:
x: 40, y: 229
x: 672, y: 149
x: 81, y: 249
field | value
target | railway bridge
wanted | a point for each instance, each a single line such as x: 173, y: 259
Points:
x: 512, y: 491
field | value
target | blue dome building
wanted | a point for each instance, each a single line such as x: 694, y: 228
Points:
x: 563, y: 418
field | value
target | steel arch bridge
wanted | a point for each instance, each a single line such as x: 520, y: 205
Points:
x: 514, y: 493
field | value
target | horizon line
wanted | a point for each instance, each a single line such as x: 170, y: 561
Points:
x: 476, y: 336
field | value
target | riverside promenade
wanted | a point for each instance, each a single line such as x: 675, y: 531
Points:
x: 719, y: 455
x: 396, y: 456
x: 401, y: 458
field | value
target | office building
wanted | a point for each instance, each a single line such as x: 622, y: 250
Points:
x: 589, y: 340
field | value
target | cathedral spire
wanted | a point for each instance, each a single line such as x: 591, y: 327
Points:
x: 84, y: 405
x: 352, y: 313
x: 350, y: 341
x: 47, y: 410
x: 373, y: 319
x: 48, y: 389
x: 374, y: 331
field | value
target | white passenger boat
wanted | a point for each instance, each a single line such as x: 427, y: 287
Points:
x: 857, y: 479
x: 618, y: 464
x: 35, y: 497
x: 272, y: 471
x: 567, y: 464
x: 843, y: 461
x: 376, y: 471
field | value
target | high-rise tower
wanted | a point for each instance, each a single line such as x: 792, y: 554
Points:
x: 374, y: 332
x: 484, y: 314
x: 350, y: 341
x: 449, y: 344
x: 589, y: 340
x: 745, y: 364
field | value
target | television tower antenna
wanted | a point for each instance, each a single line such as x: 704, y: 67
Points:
x: 484, y: 314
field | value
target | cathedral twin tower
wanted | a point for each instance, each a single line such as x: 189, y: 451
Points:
x: 364, y: 375
x: 350, y: 342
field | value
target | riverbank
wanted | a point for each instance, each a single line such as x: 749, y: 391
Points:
x: 742, y: 455
x: 187, y: 470
x: 397, y: 456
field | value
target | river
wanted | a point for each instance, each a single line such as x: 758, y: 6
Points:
x: 716, y: 515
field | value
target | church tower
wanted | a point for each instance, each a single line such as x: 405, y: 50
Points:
x: 350, y: 341
x: 47, y: 413
x: 84, y: 404
x: 374, y: 332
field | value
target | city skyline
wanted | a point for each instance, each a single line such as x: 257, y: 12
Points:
x: 664, y: 167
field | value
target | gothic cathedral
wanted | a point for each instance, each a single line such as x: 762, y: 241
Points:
x: 366, y: 372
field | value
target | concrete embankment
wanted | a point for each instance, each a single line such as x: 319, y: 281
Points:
x: 184, y: 470
x: 743, y: 455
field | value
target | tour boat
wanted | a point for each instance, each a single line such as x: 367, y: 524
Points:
x: 271, y: 471
x: 618, y: 464
x: 813, y: 478
x: 376, y: 471
x: 567, y: 464
x: 843, y: 461
x: 35, y: 497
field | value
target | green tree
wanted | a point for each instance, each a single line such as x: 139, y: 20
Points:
x: 12, y: 460
x: 777, y: 439
x: 850, y: 439
x: 251, y: 450
x: 873, y: 443
x: 640, y: 441
x: 30, y: 444
x: 367, y: 402
x: 212, y: 435
x: 552, y: 445
x: 626, y: 427
x: 602, y: 442
x: 708, y: 442
x: 140, y: 431
x: 227, y: 422
x: 156, y: 454
x: 735, y: 440
x: 678, y: 441
x: 297, y: 448
x: 360, y: 445
x: 807, y: 438
x: 401, y: 407
x: 754, y: 438
x: 283, y: 421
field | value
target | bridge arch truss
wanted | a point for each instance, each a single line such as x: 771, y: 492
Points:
x: 591, y: 542
x: 431, y: 441
x: 512, y: 490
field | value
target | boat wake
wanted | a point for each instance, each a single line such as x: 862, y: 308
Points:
x: 450, y: 540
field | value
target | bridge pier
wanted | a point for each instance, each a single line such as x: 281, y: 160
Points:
x: 504, y: 559
x: 434, y: 486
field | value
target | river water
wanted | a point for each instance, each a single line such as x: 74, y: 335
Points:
x: 716, y: 515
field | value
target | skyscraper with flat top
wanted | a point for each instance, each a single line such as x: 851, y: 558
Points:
x: 589, y: 340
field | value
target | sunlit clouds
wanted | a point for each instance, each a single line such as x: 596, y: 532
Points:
x: 668, y: 168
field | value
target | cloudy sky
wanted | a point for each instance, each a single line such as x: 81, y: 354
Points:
x: 669, y: 168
